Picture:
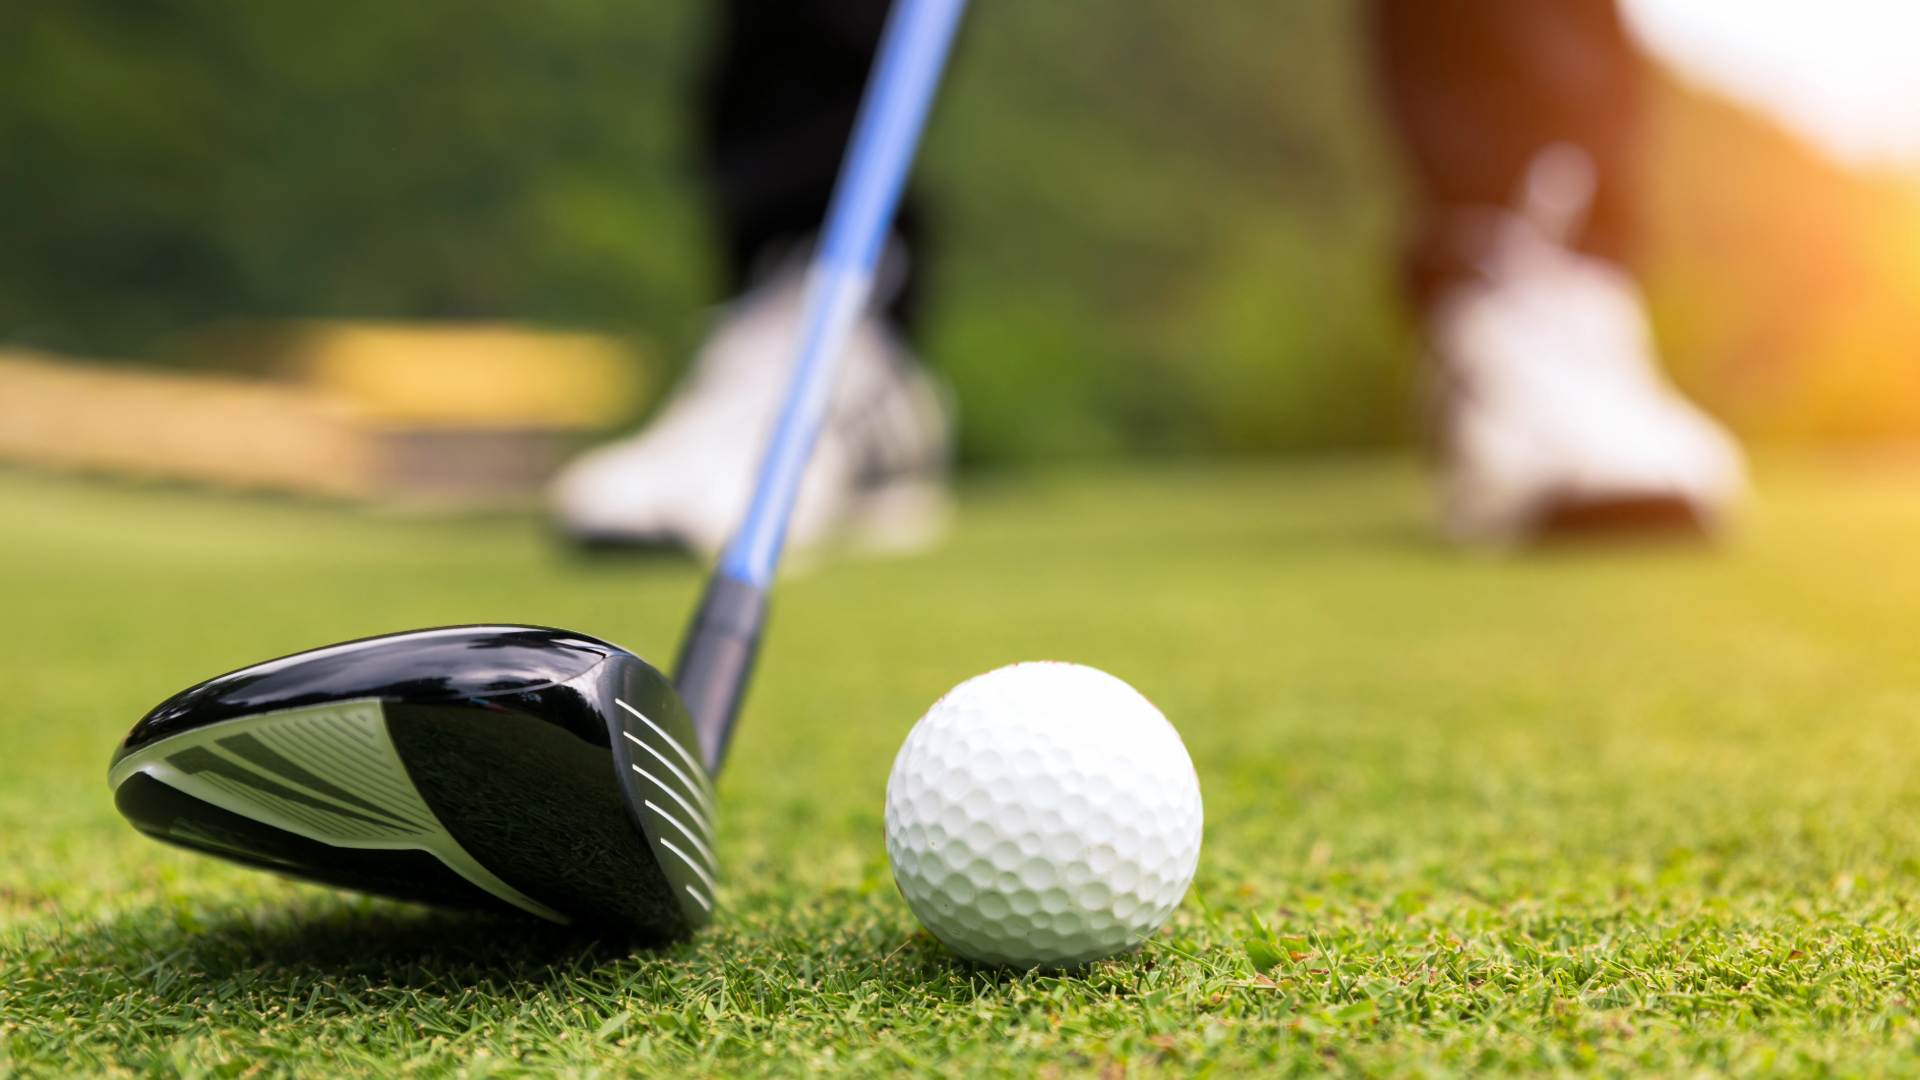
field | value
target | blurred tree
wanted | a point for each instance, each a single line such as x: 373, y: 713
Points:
x: 167, y: 162
x: 1786, y: 288
x: 1163, y: 228
x: 1169, y: 227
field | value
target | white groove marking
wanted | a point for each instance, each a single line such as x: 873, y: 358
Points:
x: 704, y: 876
x: 674, y: 769
x: 395, y: 821
x: 705, y: 826
x: 711, y: 861
x: 694, y: 763
x: 695, y: 893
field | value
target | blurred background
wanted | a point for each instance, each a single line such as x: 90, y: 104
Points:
x: 1163, y: 229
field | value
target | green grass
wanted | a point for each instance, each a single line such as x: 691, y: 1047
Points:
x: 1597, y: 810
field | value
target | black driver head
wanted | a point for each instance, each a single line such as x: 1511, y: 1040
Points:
x: 505, y: 768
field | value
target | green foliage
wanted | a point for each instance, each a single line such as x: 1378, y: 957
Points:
x: 1264, y: 954
x: 1158, y: 230
x: 1170, y: 230
x: 1597, y: 812
x: 170, y: 163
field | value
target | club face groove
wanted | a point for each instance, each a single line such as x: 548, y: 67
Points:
x: 488, y: 767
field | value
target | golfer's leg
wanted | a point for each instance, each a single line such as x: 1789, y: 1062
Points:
x: 1519, y: 119
x: 777, y: 107
x: 1477, y: 88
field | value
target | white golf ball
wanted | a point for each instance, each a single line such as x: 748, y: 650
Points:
x: 1043, y: 815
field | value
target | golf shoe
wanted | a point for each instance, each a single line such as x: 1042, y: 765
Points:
x: 878, y: 478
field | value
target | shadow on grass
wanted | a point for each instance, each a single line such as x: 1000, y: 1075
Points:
x: 1588, y: 540
x: 391, y: 946
x: 613, y: 553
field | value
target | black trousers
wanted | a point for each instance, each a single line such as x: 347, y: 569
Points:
x: 1474, y: 89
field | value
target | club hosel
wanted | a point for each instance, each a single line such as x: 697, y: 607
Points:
x: 717, y: 659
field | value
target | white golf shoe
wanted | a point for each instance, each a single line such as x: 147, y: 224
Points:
x: 1554, y: 418
x: 877, y: 480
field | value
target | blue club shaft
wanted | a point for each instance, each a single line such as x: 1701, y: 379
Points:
x: 719, y: 651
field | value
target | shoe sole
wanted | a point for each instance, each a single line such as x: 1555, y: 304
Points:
x: 1652, y: 517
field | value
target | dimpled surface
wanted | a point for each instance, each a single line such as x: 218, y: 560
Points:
x: 1043, y: 814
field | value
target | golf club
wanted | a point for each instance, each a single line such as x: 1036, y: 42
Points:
x: 523, y: 768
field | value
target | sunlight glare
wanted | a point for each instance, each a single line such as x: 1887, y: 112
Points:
x: 1843, y: 73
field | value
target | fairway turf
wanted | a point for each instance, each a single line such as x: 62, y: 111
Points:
x: 1644, y: 810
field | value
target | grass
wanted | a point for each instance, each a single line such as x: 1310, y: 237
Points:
x: 1610, y: 811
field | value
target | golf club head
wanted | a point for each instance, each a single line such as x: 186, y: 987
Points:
x: 504, y: 768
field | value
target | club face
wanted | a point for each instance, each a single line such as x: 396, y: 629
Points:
x: 506, y: 768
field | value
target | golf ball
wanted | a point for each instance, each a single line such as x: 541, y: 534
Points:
x: 1043, y: 815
